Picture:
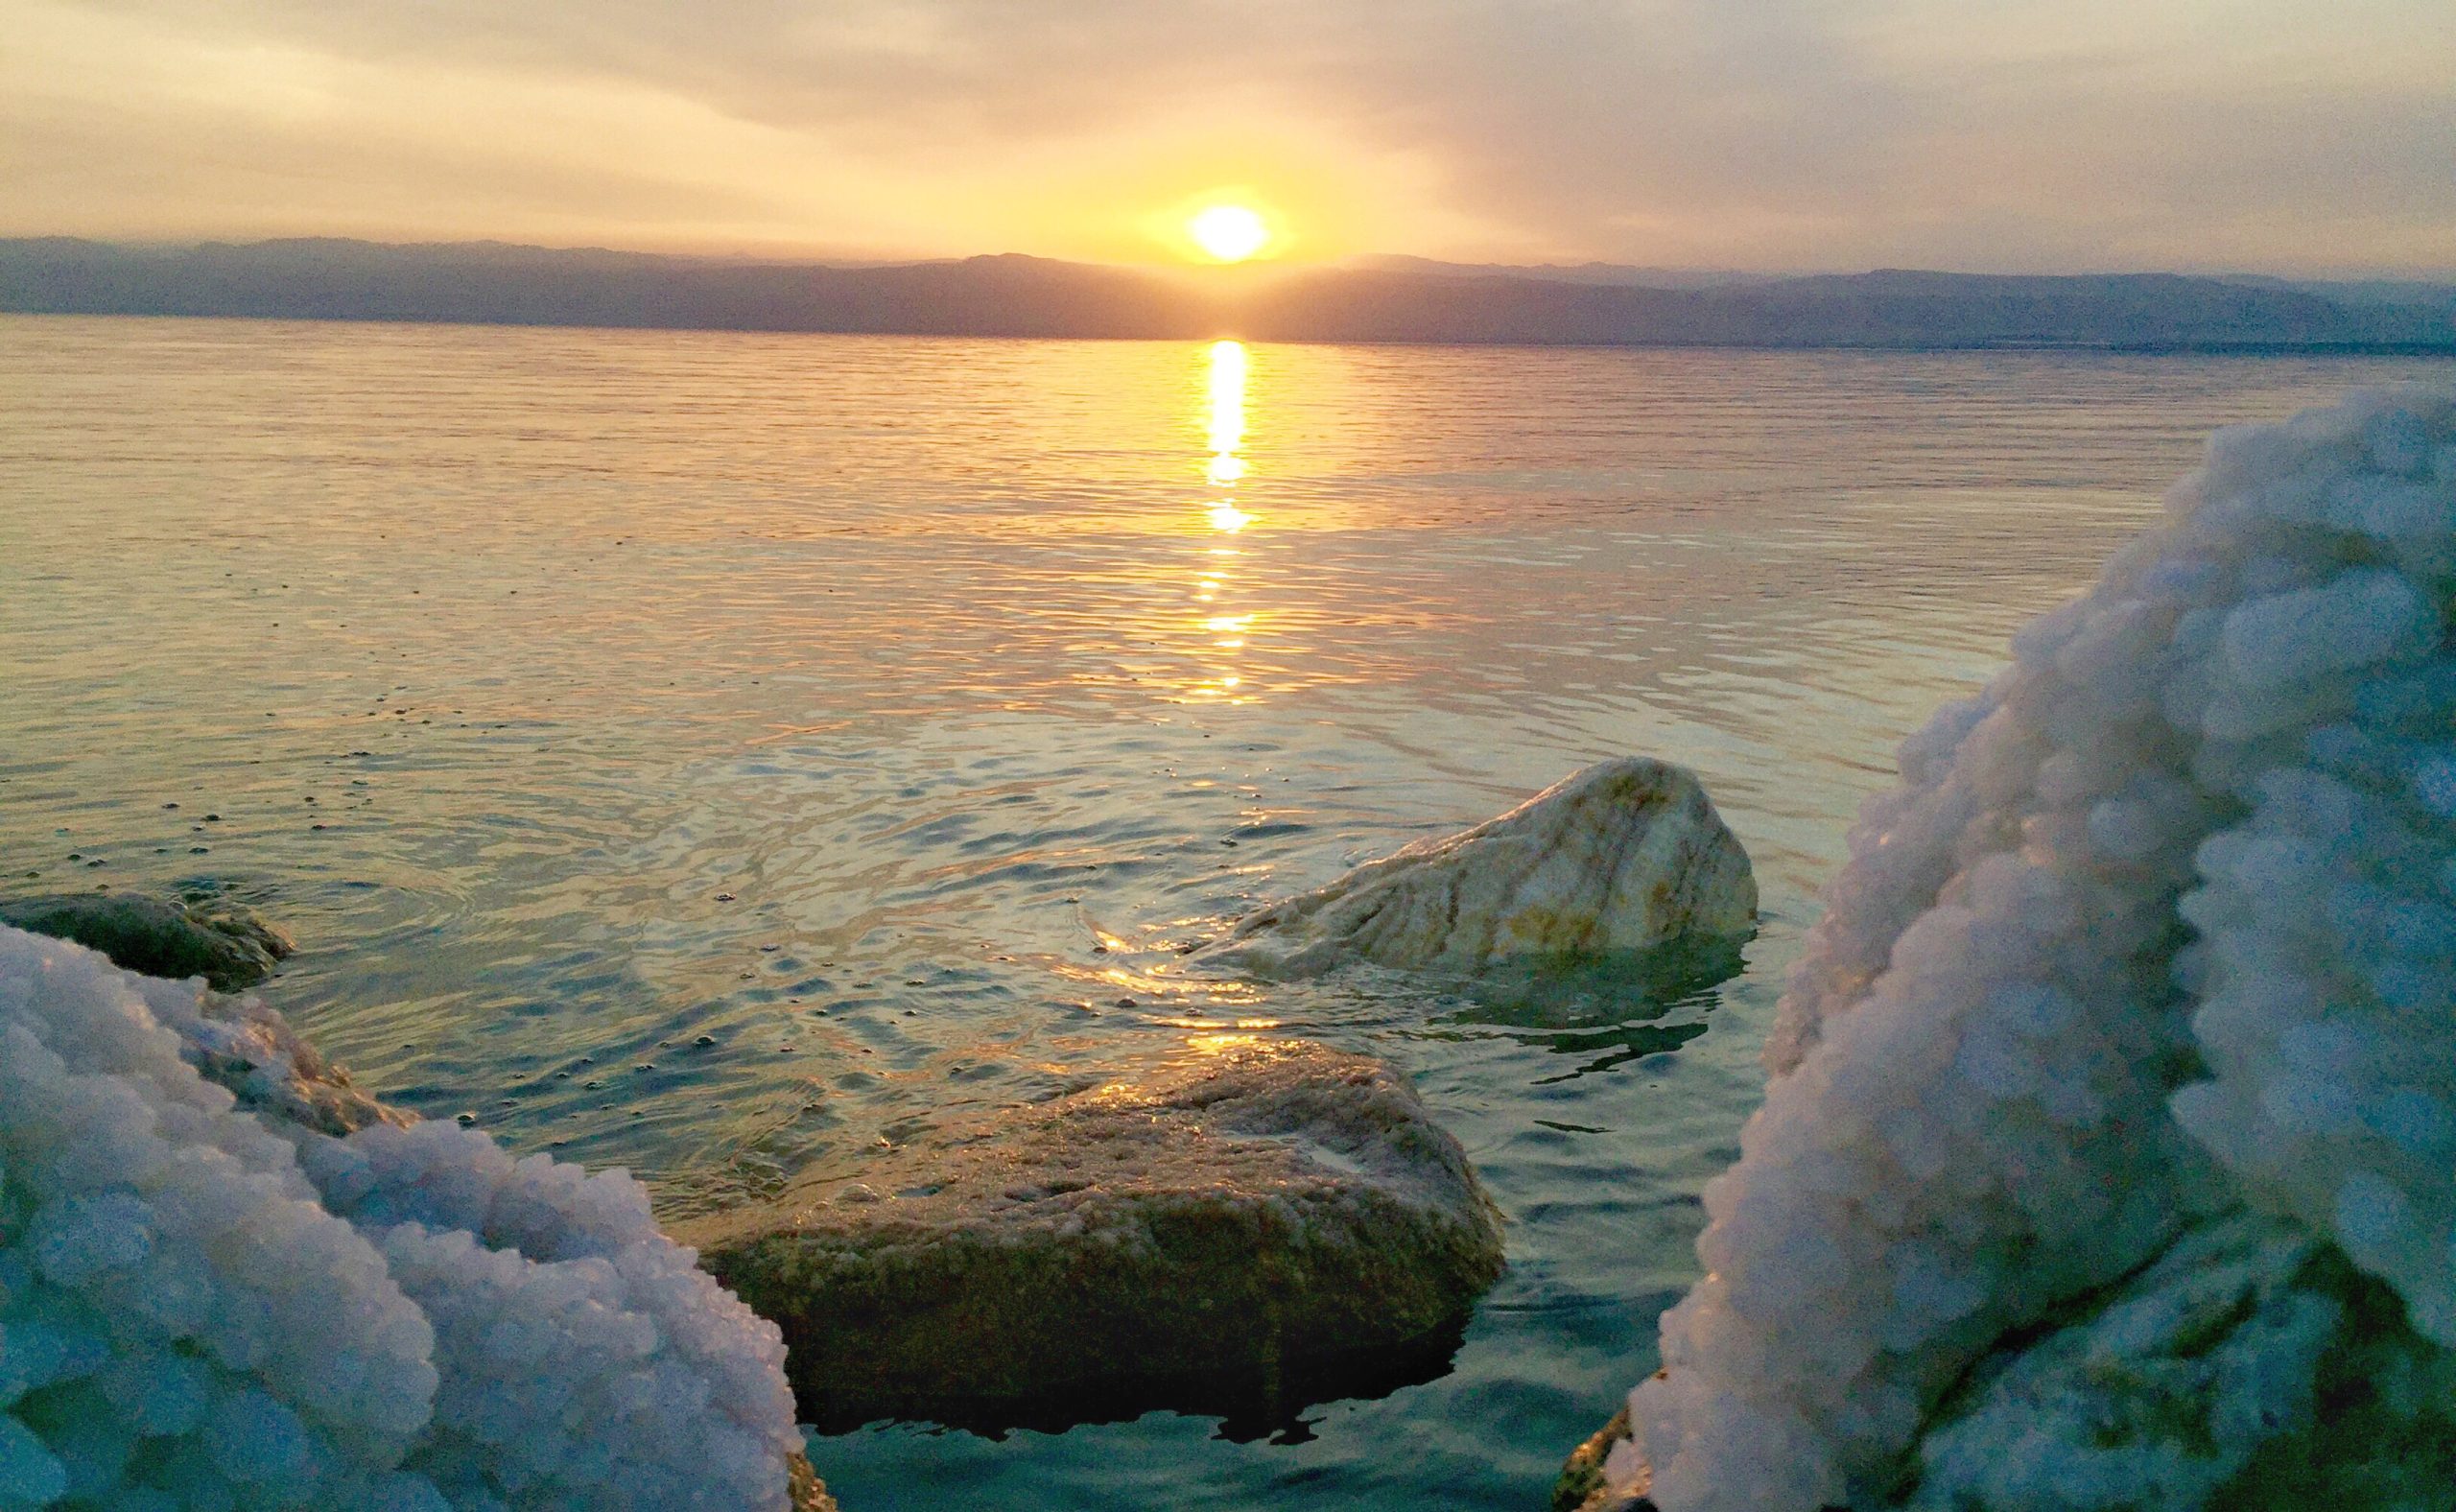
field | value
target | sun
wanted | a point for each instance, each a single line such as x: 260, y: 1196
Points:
x: 1229, y: 233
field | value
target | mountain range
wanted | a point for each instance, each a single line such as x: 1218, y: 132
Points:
x: 1381, y: 300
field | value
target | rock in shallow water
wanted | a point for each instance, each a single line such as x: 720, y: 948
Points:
x: 1241, y: 1219
x: 1621, y: 855
x: 229, y: 947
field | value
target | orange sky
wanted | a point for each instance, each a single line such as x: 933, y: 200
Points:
x: 2240, y: 134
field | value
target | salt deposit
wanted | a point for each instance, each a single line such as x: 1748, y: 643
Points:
x: 1620, y: 855
x: 2165, y: 1395
x: 2197, y: 843
x: 199, y: 1310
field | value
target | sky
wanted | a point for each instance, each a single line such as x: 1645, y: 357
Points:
x: 2288, y: 136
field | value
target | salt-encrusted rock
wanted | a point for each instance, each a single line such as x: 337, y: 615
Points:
x: 234, y: 1041
x: 2198, y: 1382
x: 1624, y: 855
x: 225, y: 945
x: 1261, y: 1209
x: 2157, y: 1400
x: 203, y: 1308
x: 810, y: 1493
x: 239, y: 1044
x: 1586, y: 1485
x: 2180, y: 884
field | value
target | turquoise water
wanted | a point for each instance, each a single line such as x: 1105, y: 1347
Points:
x: 891, y: 711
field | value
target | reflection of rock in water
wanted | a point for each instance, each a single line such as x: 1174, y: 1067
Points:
x: 1621, y: 855
x: 1269, y: 1226
x: 1610, y: 1007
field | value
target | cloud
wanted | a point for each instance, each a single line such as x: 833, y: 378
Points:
x: 1759, y: 133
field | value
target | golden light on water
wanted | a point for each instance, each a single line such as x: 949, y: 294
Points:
x: 1229, y: 233
x: 1227, y: 428
x: 1224, y: 431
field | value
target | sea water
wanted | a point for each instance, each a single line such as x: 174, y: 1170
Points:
x: 718, y: 754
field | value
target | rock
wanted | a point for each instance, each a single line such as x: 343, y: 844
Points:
x: 229, y: 947
x: 810, y: 1493
x: 236, y: 1042
x: 1585, y: 1486
x: 2157, y: 1399
x: 1623, y: 856
x: 241, y: 1044
x: 2249, y: 1367
x: 1265, y: 1213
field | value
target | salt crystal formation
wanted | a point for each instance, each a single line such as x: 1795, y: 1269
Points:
x: 2159, y: 1400
x: 199, y: 1310
x: 2196, y: 847
x: 1620, y: 855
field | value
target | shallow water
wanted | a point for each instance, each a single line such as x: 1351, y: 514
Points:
x: 890, y: 711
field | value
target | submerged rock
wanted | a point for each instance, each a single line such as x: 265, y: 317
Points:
x: 1245, y: 1219
x: 1623, y: 856
x: 228, y: 946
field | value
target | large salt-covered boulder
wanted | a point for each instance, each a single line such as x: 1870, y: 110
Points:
x: 200, y: 1308
x: 228, y: 946
x: 1231, y: 1221
x: 2250, y: 1367
x: 2204, y: 1379
x: 1621, y: 855
x: 2160, y: 925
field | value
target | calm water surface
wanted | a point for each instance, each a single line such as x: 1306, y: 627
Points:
x: 891, y: 711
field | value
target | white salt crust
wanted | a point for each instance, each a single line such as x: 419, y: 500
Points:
x: 201, y: 1311
x: 2197, y: 843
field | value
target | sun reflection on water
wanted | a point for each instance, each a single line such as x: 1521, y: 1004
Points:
x: 1224, y: 428
x: 1228, y: 364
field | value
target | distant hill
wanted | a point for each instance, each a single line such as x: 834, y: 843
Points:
x: 1389, y: 300
x: 1570, y: 272
x: 488, y: 283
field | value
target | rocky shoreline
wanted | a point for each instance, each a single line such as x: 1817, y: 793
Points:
x: 1258, y: 1226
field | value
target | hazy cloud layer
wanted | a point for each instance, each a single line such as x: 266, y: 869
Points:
x: 1782, y: 133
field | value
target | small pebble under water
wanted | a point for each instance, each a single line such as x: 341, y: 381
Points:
x: 795, y: 739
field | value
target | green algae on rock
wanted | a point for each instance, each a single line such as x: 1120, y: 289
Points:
x: 1622, y: 855
x: 1246, y: 1218
x: 225, y: 945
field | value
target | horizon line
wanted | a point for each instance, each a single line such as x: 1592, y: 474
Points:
x: 1364, y: 261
